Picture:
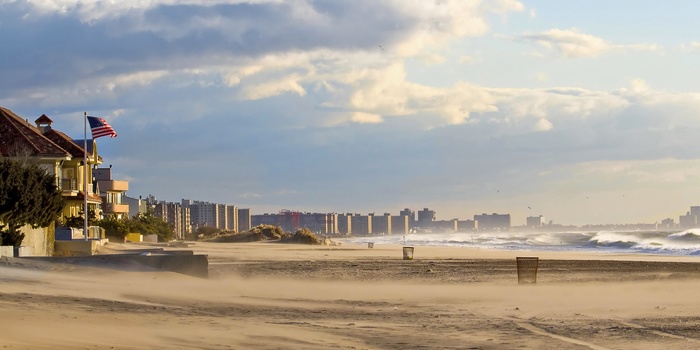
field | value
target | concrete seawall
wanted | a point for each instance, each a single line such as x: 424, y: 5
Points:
x: 184, y: 262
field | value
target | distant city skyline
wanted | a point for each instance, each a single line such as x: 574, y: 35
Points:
x: 677, y: 220
x: 582, y: 111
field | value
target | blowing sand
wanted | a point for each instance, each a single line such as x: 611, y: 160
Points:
x: 276, y: 296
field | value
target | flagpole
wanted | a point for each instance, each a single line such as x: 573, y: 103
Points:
x: 85, y: 178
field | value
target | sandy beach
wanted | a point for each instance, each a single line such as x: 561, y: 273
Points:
x: 284, y: 296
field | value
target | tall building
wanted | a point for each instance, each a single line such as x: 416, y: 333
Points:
x: 160, y: 210
x: 467, y: 226
x: 244, y: 221
x: 232, y: 218
x: 444, y: 226
x: 425, y: 218
x: 222, y: 219
x: 319, y: 223
x: 204, y: 214
x: 695, y: 210
x: 411, y: 215
x: 290, y: 221
x: 399, y: 225
x: 688, y: 220
x: 381, y: 225
x: 493, y: 222
x: 361, y: 224
x: 667, y: 223
x: 345, y: 223
x: 186, y: 223
x: 535, y: 221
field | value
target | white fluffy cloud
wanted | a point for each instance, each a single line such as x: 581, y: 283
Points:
x: 572, y: 43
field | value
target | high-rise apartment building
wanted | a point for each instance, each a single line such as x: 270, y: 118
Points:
x: 425, y: 218
x: 535, y: 221
x: 493, y: 222
x: 244, y: 220
x: 381, y: 225
x: 362, y: 224
x: 399, y: 225
x: 345, y: 223
x: 411, y: 215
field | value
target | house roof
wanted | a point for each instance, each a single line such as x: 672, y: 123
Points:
x: 19, y: 136
x: 43, y: 119
x: 70, y: 145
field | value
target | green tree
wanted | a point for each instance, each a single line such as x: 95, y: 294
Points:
x: 79, y: 221
x: 114, y: 227
x: 147, y: 224
x: 28, y: 195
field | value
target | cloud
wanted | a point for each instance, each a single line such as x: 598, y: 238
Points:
x: 118, y: 54
x: 693, y: 46
x: 273, y: 88
x: 543, y: 125
x: 572, y: 43
x: 249, y: 195
x: 365, y: 118
x: 465, y: 59
x: 566, y: 104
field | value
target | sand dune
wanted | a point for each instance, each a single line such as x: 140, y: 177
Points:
x: 272, y: 296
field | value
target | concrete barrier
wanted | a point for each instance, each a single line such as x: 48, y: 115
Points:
x: 23, y: 251
x: 77, y: 247
x: 7, y: 250
x: 181, y: 262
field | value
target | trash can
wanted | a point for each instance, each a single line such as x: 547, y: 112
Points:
x: 370, y: 245
x: 527, y: 269
x: 408, y: 253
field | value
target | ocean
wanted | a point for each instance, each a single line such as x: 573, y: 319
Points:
x: 680, y: 242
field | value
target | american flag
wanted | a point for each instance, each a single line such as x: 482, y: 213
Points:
x: 100, y: 128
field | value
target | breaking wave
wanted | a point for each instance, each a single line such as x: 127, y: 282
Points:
x: 652, y: 242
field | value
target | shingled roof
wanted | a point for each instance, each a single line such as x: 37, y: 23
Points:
x: 70, y: 145
x: 20, y: 136
x: 43, y: 119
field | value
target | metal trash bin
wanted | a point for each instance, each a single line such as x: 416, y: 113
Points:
x: 370, y: 245
x: 408, y: 253
x: 527, y: 269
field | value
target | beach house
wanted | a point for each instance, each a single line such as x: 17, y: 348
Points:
x: 63, y: 157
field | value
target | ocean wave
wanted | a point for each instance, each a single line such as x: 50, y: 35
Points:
x: 649, y: 242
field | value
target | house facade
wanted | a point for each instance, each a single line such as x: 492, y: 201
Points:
x: 64, y: 158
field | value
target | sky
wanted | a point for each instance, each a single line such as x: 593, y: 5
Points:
x: 585, y: 112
